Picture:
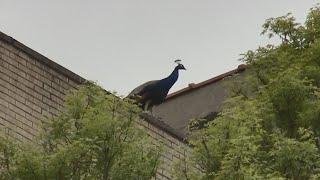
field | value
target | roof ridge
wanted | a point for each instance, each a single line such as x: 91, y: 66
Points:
x: 193, y: 86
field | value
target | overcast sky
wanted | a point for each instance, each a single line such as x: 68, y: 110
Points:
x: 124, y: 43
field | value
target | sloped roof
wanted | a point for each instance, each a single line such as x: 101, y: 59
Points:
x: 193, y: 86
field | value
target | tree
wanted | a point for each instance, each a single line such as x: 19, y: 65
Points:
x: 94, y: 138
x: 269, y: 127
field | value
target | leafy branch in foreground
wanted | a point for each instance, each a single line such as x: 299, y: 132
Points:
x: 269, y: 127
x: 94, y: 138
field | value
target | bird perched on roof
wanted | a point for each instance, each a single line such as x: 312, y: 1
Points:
x: 155, y: 92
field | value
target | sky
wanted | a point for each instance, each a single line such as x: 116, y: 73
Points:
x: 123, y: 43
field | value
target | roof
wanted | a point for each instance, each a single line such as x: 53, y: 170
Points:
x: 193, y: 86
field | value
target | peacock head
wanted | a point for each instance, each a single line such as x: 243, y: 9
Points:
x: 179, y: 66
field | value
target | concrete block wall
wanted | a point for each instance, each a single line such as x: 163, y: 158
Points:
x: 32, y: 89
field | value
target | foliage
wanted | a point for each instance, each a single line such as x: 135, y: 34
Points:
x: 185, y: 168
x: 94, y: 138
x: 269, y: 127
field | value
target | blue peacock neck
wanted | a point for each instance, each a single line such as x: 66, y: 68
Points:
x: 169, y: 81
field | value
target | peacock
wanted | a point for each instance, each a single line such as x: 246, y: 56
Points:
x: 155, y: 92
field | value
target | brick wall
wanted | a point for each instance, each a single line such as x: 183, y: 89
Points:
x: 32, y: 88
x: 174, y: 148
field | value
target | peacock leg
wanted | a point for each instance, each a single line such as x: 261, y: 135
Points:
x: 146, y: 105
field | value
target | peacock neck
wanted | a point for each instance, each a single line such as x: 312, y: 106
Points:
x: 169, y: 81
